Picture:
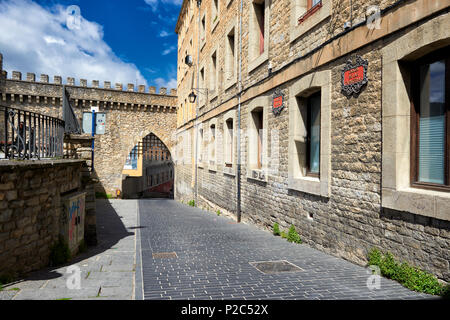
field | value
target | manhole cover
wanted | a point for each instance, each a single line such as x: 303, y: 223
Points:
x: 164, y: 255
x: 274, y: 267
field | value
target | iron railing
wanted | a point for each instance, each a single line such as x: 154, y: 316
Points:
x: 29, y: 135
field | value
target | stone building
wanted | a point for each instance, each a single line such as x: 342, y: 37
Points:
x: 308, y: 112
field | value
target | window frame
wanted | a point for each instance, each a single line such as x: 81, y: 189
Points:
x: 299, y: 91
x: 254, y: 173
x: 255, y: 58
x: 440, y: 54
x: 229, y: 168
x: 311, y: 16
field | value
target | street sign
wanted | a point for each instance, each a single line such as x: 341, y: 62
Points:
x: 100, y: 125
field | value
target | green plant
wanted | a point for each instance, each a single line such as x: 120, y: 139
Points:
x: 191, y: 203
x: 59, y: 252
x: 293, y: 236
x: 5, y: 279
x: 410, y: 277
x: 219, y: 213
x: 283, y: 235
x: 276, y: 229
x: 102, y: 195
x: 82, y: 247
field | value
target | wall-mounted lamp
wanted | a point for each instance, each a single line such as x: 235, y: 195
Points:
x: 192, y: 96
x: 188, y: 60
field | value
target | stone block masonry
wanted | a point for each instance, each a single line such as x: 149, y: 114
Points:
x: 353, y: 215
x: 30, y: 209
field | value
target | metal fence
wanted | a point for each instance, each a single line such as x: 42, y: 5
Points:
x: 29, y: 135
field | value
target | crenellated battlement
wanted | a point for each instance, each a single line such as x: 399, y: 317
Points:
x: 95, y: 84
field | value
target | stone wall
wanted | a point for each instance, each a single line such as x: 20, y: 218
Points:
x: 130, y: 116
x: 351, y: 220
x: 30, y: 208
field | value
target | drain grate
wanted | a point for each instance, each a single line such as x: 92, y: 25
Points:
x: 164, y: 255
x: 275, y: 267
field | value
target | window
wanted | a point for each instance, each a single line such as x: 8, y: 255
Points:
x: 200, y: 146
x: 257, y: 117
x: 256, y: 140
x: 257, y: 146
x: 412, y: 125
x: 213, y: 75
x: 230, y: 54
x: 229, y: 142
x: 313, y: 135
x: 430, y: 129
x: 215, y: 14
x: 230, y: 72
x: 306, y: 14
x: 202, y: 86
x: 212, y: 145
x: 258, y: 33
x: 203, y: 31
x: 229, y: 136
x: 309, y: 134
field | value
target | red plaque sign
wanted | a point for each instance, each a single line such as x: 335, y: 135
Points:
x: 278, y: 102
x: 354, y: 76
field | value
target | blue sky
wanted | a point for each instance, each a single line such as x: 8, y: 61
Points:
x: 127, y: 41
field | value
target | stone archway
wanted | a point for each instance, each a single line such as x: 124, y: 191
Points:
x: 124, y: 129
x: 150, y: 171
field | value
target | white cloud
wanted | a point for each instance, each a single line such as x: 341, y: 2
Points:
x: 155, y: 3
x: 169, y: 84
x: 39, y: 41
x: 164, y: 34
x: 168, y: 50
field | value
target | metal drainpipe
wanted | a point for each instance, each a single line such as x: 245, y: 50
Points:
x: 199, y: 2
x: 238, y: 174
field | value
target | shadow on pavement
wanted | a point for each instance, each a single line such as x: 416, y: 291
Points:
x: 110, y: 230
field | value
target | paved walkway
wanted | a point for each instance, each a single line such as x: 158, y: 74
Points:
x: 107, y: 270
x: 214, y: 256
x: 188, y: 253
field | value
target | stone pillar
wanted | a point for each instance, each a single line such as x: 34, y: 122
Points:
x: 83, y: 82
x: 173, y: 92
x: 162, y: 90
x: 95, y: 83
x: 152, y: 89
x: 141, y: 88
x: 119, y: 86
x: 70, y: 81
x: 130, y: 87
x: 107, y: 85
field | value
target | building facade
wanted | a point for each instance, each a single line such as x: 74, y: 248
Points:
x: 331, y: 115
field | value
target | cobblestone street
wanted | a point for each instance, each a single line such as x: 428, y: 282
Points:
x: 164, y: 250
x: 213, y: 256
